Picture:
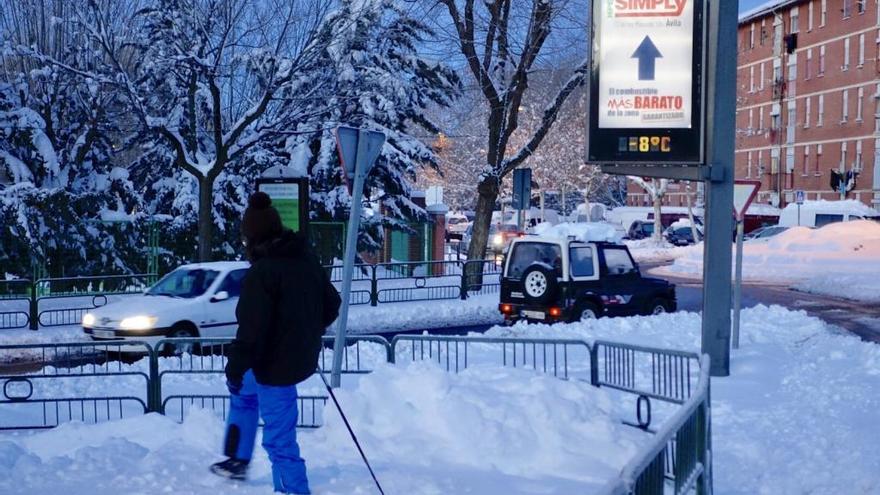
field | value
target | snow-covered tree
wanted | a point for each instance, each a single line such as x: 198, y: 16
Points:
x: 65, y: 207
x: 501, y: 43
x: 378, y: 81
x: 656, y: 189
x: 211, y: 79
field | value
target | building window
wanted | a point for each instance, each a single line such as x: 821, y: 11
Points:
x: 752, y: 79
x: 807, y: 112
x: 861, y: 50
x: 791, y: 123
x: 844, y: 111
x: 760, y: 163
x: 793, y: 20
x: 763, y: 32
x: 822, y: 60
x: 818, y: 159
x: 820, y: 119
x: 749, y: 167
x: 761, y: 120
x: 843, y: 156
x: 752, y: 36
x: 860, y: 6
x: 761, y: 79
x: 859, y: 103
x: 792, y: 67
x: 806, y: 160
x: 810, y: 16
x: 845, y: 65
x: 847, y: 9
x: 751, y: 128
x: 877, y: 110
x: 808, y: 67
x: 823, y: 13
x: 857, y: 165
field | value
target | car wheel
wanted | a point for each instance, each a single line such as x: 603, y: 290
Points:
x: 180, y: 331
x: 658, y: 307
x: 587, y: 311
x: 539, y: 284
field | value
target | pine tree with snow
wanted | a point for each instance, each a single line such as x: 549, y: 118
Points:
x: 380, y: 82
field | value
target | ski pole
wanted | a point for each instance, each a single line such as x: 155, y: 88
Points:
x: 353, y: 436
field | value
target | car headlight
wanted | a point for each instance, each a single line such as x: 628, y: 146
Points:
x: 88, y: 320
x: 498, y: 240
x: 138, y: 323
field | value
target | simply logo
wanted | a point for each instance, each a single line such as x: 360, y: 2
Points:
x: 649, y: 8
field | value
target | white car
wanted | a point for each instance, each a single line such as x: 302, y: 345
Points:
x: 195, y: 300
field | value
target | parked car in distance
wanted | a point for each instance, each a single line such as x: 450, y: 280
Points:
x: 640, y: 229
x: 765, y: 232
x: 680, y: 236
x: 456, y: 225
x: 500, y: 236
x: 552, y: 280
x: 195, y: 300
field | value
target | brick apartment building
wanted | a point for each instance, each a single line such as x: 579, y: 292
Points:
x: 808, y: 100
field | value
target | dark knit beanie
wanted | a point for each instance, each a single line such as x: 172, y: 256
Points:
x: 261, y: 221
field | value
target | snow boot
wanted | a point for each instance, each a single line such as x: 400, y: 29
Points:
x: 232, y: 468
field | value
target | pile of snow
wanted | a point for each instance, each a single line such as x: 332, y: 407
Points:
x: 585, y: 232
x: 841, y: 259
x: 425, y: 431
x: 797, y: 415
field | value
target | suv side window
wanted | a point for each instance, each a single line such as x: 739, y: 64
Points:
x: 618, y: 262
x: 581, y: 260
x: 526, y: 253
x: 232, y: 283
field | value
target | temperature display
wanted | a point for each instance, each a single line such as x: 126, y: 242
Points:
x: 644, y: 144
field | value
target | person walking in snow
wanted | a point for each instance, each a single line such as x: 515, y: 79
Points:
x: 286, y: 304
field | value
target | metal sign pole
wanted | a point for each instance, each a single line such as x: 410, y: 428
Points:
x: 737, y: 285
x: 720, y: 121
x: 350, y: 250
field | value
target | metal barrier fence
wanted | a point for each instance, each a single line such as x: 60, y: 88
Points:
x: 38, y: 396
x: 678, y: 457
x: 43, y: 303
x: 35, y: 296
x: 689, y: 432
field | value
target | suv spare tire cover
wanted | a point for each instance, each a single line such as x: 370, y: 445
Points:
x: 539, y: 284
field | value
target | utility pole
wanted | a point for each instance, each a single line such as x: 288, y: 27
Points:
x: 720, y: 133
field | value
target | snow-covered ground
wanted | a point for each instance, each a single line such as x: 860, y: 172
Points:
x: 799, y: 413
x: 426, y: 431
x: 840, y: 259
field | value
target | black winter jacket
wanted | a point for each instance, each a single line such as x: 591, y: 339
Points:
x: 286, y: 304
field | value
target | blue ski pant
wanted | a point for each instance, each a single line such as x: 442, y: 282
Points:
x: 278, y: 407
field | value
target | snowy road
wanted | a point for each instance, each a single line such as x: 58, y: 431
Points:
x: 860, y: 318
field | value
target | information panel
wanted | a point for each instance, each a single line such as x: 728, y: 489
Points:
x: 290, y: 198
x: 646, y: 82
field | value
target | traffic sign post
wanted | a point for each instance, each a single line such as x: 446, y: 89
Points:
x: 358, y: 151
x: 799, y: 197
x: 744, y: 192
x: 522, y: 193
x: 646, y: 91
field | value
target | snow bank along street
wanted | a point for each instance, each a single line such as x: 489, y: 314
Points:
x: 485, y: 430
x: 840, y: 260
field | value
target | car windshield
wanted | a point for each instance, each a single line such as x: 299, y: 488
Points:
x: 648, y: 228
x: 456, y: 221
x: 185, y: 283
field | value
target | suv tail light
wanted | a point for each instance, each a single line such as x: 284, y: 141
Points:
x: 506, y: 309
x: 555, y: 312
